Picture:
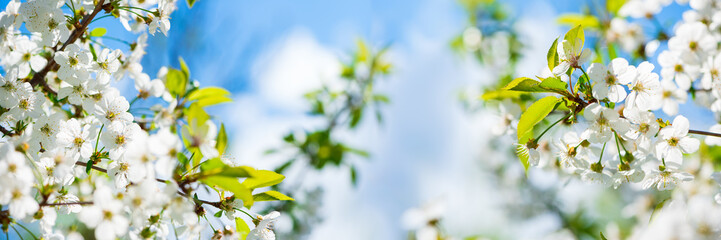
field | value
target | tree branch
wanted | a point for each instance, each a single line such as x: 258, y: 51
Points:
x: 704, y: 133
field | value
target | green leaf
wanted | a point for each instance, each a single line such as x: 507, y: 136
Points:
x: 218, y: 214
x: 190, y: 5
x: 241, y: 228
x: 501, y: 94
x: 222, y: 140
x: 552, y: 55
x: 98, y: 32
x: 184, y: 69
x: 381, y: 98
x: 271, y: 196
x: 575, y: 35
x: 213, y: 100
x: 363, y: 53
x: 207, y: 92
x: 353, y: 176
x: 523, y: 157
x: 572, y: 19
x: 553, y: 84
x: 603, y: 237
x: 231, y: 184
x: 175, y: 82
x: 534, y: 114
x: 196, y: 113
x: 614, y: 5
x: 525, y: 84
x: 263, y: 178
x: 216, y: 167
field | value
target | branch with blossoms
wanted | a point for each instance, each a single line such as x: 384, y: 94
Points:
x: 73, y: 144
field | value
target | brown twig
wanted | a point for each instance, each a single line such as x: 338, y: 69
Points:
x: 704, y: 133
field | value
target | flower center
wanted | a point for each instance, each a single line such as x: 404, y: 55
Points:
x: 120, y: 140
x: 692, y: 45
x: 24, y: 104
x: 78, y: 141
x: 107, y: 215
x: 678, y: 68
x: 26, y: 57
x: 643, y: 128
x: 673, y: 141
x: 611, y: 79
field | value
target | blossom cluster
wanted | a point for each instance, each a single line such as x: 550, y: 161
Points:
x: 72, y: 145
x: 612, y: 108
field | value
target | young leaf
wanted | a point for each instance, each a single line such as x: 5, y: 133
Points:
x: 552, y: 55
x: 553, y: 84
x: 523, y: 157
x: 175, y: 82
x: 353, y: 176
x: 184, y: 69
x: 263, y: 178
x: 196, y: 113
x: 231, y: 184
x: 216, y: 167
x: 575, y: 36
x: 190, y: 5
x: 614, y: 5
x: 241, y: 228
x: 578, y: 19
x: 98, y: 32
x: 213, y: 100
x: 207, y: 92
x: 523, y: 84
x: 501, y: 94
x: 534, y: 114
x: 222, y: 140
x: 271, y: 196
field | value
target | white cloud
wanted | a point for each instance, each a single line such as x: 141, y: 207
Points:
x: 292, y: 67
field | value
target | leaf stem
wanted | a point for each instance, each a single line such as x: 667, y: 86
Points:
x: 554, y: 124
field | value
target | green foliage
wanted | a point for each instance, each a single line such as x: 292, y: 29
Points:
x: 176, y: 82
x: 575, y: 36
x: 98, y: 32
x: 525, y: 84
x: 241, y: 228
x: 221, y: 140
x: 552, y: 55
x: 502, y: 94
x: 231, y: 184
x: 216, y: 167
x: 263, y: 178
x: 572, y: 19
x: 614, y: 5
x: 534, y: 114
x: 523, y: 157
x: 271, y: 196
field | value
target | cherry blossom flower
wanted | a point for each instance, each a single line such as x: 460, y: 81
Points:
x: 674, y: 141
x: 263, y: 230
x: 645, y: 88
x: 603, y: 122
x: 76, y: 137
x: 666, y: 179
x: 609, y: 80
x: 105, y: 215
x: 571, y: 54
